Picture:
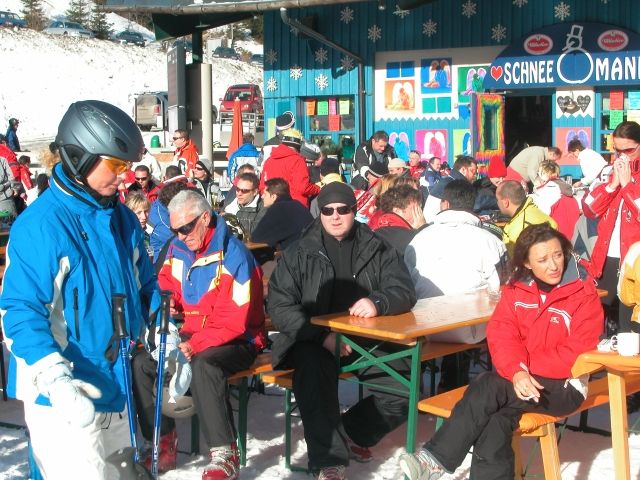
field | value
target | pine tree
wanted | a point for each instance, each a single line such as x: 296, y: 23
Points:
x: 33, y: 14
x: 98, y: 22
x: 78, y: 11
x: 256, y: 24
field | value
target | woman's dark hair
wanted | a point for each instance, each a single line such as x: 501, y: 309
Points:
x: 629, y: 130
x: 529, y: 237
x: 42, y: 182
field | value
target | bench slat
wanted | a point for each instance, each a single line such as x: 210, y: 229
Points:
x: 261, y: 364
x: 442, y: 405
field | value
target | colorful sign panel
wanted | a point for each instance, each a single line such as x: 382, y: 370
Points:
x: 568, y: 54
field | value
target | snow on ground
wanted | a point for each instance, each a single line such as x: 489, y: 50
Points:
x: 43, y: 74
x: 583, y: 456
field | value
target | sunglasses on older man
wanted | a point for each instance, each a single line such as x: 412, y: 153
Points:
x: 187, y: 228
x: 342, y: 210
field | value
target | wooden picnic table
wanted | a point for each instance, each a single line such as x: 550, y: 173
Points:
x: 429, y: 316
x: 617, y: 366
x: 255, y: 245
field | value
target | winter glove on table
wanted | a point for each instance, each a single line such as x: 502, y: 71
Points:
x: 70, y: 398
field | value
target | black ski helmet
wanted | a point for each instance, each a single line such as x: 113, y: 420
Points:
x: 91, y: 128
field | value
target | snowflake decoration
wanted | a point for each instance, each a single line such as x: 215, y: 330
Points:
x: 374, y: 33
x: 429, y: 28
x: 520, y: 3
x: 468, y: 9
x: 347, y: 63
x: 272, y: 57
x: 498, y: 33
x: 346, y: 15
x: 322, y: 81
x: 321, y: 55
x: 562, y: 11
x: 295, y: 72
x: 272, y: 84
x: 400, y: 12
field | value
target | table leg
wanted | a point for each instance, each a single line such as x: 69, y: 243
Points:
x: 618, y: 406
x: 414, y: 392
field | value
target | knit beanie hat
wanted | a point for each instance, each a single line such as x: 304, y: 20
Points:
x: 336, y: 192
x: 284, y: 121
x: 378, y: 169
x: 496, y: 167
x: 204, y: 166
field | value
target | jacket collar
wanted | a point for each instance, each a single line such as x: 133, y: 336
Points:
x: 366, y: 244
x: 63, y: 187
x: 391, y: 220
x: 456, y: 216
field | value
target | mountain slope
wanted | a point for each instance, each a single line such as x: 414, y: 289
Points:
x: 42, y: 74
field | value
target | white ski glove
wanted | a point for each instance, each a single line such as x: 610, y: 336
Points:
x: 173, y: 340
x: 69, y: 397
x: 181, y: 379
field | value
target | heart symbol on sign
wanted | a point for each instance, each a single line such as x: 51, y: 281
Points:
x: 496, y: 72
x: 563, y: 101
x: 583, y: 101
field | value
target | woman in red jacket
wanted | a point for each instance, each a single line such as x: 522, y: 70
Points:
x: 617, y: 206
x: 548, y: 314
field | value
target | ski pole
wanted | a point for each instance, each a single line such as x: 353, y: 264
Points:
x: 120, y: 333
x: 162, y: 348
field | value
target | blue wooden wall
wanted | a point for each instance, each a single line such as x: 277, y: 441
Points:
x: 453, y: 30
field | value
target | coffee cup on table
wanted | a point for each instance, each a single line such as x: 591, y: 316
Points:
x: 626, y: 344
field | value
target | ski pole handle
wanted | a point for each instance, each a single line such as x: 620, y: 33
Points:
x: 165, y: 306
x: 117, y: 315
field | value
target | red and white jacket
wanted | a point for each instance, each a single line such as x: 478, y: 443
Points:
x: 218, y: 289
x: 600, y: 203
x: 545, y: 337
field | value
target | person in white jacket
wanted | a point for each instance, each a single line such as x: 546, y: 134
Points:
x: 455, y: 255
x: 591, y: 162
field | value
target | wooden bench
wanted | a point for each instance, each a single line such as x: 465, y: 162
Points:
x: 532, y: 424
x: 284, y: 379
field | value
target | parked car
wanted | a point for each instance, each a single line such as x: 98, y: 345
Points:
x: 226, y: 52
x: 72, y: 29
x: 129, y: 36
x: 10, y: 19
x: 257, y: 58
x: 188, y: 46
x: 250, y: 98
x: 150, y: 108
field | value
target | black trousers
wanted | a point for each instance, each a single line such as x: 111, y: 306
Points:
x: 486, y: 417
x: 209, y: 389
x: 617, y: 311
x: 315, y: 385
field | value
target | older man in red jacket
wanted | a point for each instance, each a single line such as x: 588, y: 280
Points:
x: 287, y: 163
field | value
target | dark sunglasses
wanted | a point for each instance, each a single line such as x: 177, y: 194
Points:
x: 177, y: 138
x: 198, y: 168
x: 140, y: 179
x: 343, y: 210
x: 244, y: 190
x: 626, y: 151
x: 187, y: 228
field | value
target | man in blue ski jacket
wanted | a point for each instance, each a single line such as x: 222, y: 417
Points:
x: 67, y: 255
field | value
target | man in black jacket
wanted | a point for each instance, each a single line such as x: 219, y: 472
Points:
x: 337, y: 265
x: 283, y: 218
x: 375, y: 150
